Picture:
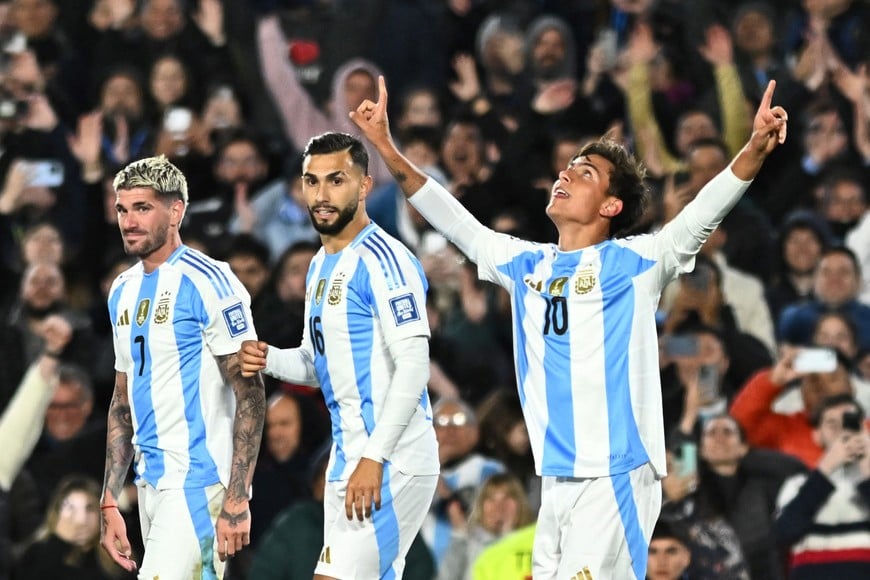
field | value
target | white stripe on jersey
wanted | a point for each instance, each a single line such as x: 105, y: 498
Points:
x: 358, y: 302
x: 169, y: 325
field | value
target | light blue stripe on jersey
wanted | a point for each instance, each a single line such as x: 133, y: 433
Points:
x: 386, y: 529
x: 395, y: 268
x: 316, y: 311
x: 197, y: 505
x: 524, y: 262
x: 560, y: 442
x: 214, y: 274
x: 202, y: 468
x: 637, y: 546
x: 140, y: 341
x: 360, y: 326
x: 626, y: 448
x: 176, y: 255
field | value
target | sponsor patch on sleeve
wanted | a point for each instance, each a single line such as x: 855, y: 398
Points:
x: 404, y: 309
x: 235, y: 318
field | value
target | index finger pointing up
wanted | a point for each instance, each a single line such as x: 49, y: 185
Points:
x: 768, y: 95
x: 382, y: 91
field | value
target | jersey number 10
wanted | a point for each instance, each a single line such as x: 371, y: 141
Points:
x: 556, y: 315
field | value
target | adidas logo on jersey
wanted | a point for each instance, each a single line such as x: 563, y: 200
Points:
x: 325, y: 557
x: 583, y: 574
x: 124, y: 319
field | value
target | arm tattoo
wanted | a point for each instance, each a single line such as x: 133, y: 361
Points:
x: 247, y: 426
x: 119, y: 442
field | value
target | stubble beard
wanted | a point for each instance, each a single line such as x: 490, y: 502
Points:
x: 149, y: 244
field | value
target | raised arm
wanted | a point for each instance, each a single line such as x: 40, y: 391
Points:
x: 233, y: 529
x: 440, y: 209
x: 119, y: 454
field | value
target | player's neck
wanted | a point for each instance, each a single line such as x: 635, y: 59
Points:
x: 576, y: 237
x: 153, y: 260
x: 333, y: 244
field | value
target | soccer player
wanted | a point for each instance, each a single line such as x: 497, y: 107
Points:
x: 181, y: 407
x: 585, y: 343
x: 366, y: 346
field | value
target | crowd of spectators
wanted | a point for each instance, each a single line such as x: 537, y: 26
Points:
x: 769, y: 473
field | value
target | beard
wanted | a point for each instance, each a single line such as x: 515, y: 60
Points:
x: 148, y: 244
x: 343, y: 217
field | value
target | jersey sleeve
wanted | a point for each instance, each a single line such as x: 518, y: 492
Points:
x: 398, y: 295
x: 228, y: 319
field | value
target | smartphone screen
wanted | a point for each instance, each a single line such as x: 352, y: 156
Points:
x: 815, y: 360
x: 708, y: 383
x: 677, y: 345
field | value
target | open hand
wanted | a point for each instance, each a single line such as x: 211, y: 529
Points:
x: 364, y: 489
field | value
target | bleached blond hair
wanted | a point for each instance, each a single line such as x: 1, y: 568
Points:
x: 156, y: 173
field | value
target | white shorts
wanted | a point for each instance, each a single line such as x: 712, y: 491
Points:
x: 375, y: 547
x: 178, y: 533
x: 596, y: 528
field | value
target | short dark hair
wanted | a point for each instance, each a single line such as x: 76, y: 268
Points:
x: 843, y: 251
x: 626, y: 182
x: 666, y: 529
x: 334, y: 142
x: 835, y: 401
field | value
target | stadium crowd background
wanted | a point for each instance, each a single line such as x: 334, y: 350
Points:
x: 493, y: 98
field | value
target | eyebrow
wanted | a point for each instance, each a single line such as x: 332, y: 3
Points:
x: 339, y: 173
x: 119, y: 205
x: 584, y: 162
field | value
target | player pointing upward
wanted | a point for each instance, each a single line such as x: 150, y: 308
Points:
x: 585, y: 343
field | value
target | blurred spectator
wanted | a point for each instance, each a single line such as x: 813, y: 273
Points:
x: 699, y: 300
x: 858, y: 240
x: 742, y: 483
x: 277, y: 214
x: 788, y: 433
x: 837, y: 331
x: 550, y: 50
x: 354, y: 81
x: 500, y: 508
x: 758, y: 50
x: 68, y: 544
x: 73, y: 436
x: 822, y: 516
x: 42, y: 293
x: 462, y: 470
x: 836, y: 285
x: 240, y: 173
x: 801, y: 241
x: 127, y: 132
x: 420, y: 107
x: 504, y: 436
x: 843, y: 200
x: 669, y: 552
x: 283, y: 328
x: 715, y: 547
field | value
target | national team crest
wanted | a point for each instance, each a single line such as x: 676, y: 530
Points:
x: 161, y: 313
x: 585, y: 281
x: 334, y: 296
x: 142, y: 311
x: 557, y: 286
x: 318, y: 294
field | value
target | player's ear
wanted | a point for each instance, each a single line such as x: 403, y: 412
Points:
x: 366, y: 187
x: 176, y: 211
x: 611, y: 207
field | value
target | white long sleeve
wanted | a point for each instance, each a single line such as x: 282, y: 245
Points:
x: 292, y: 365
x: 411, y: 356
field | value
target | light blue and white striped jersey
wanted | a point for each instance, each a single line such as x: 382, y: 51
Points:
x: 169, y: 325
x: 358, y: 302
x: 585, y: 340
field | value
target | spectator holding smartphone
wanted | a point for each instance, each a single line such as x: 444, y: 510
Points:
x: 823, y: 516
x: 790, y: 433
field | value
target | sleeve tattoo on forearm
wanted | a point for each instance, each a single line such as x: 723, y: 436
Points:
x: 247, y: 426
x: 119, y: 446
